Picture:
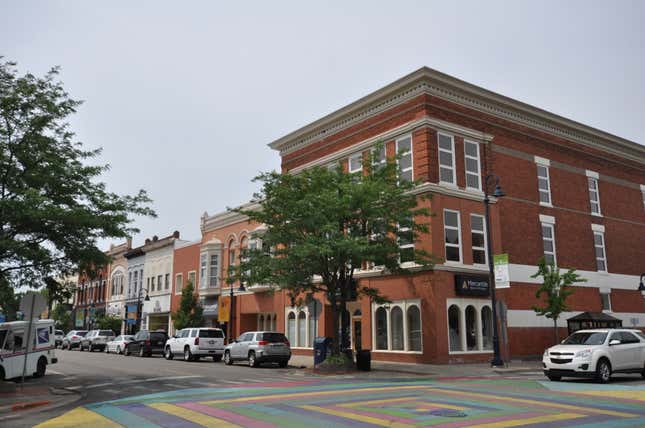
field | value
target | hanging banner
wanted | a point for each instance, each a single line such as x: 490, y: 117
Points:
x: 502, y: 274
x: 224, y: 309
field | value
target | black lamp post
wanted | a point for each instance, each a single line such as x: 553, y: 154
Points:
x: 139, y: 306
x: 497, y: 193
x: 641, y: 286
x: 241, y: 288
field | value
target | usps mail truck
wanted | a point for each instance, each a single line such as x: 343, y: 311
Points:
x: 13, y: 347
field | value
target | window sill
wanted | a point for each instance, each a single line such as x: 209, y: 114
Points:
x: 470, y: 352
x: 387, y: 351
x: 597, y: 214
x: 546, y: 204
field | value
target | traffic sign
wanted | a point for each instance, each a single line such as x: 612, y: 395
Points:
x: 32, y: 304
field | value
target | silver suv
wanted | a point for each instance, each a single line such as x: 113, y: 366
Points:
x: 194, y: 343
x: 258, y: 347
x: 96, y: 339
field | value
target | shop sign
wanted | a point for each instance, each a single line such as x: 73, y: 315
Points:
x: 467, y: 285
x: 224, y: 309
x: 502, y: 274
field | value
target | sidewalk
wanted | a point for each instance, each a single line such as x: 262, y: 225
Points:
x: 443, y: 370
x: 15, y: 400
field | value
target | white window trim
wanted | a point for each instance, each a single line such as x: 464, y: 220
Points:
x: 358, y: 155
x: 542, y: 161
x: 608, y: 294
x: 296, y: 311
x: 379, y: 162
x: 604, y: 250
x: 548, y: 185
x: 462, y: 304
x: 403, y: 305
x: 598, y: 228
x: 552, y: 239
x: 411, y: 167
x: 592, y: 174
x: 195, y: 286
x: 547, y: 219
x: 597, y: 192
x: 177, y: 277
x: 485, y: 239
x: 452, y: 153
x: 478, y: 159
x: 643, y: 194
x: 445, y: 244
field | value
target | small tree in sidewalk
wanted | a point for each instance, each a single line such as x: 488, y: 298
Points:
x: 109, y: 322
x: 554, y: 292
x: 190, y: 312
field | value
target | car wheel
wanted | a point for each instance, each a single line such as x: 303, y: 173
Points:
x: 283, y: 364
x: 127, y: 352
x: 227, y: 358
x: 118, y: 349
x: 603, y: 371
x: 90, y: 347
x: 1, y: 374
x: 168, y: 353
x: 41, y: 367
x: 188, y: 356
x: 217, y: 358
x: 252, y: 361
x: 554, y: 378
x: 80, y: 347
x: 141, y: 353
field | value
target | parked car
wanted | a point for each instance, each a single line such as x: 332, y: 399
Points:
x: 118, y: 344
x: 145, y: 343
x: 596, y: 353
x: 96, y: 339
x: 58, y: 337
x: 258, y: 347
x: 73, y: 339
x: 194, y: 343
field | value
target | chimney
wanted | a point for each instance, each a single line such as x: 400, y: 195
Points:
x: 129, y: 243
x: 147, y: 241
x: 155, y: 238
x: 175, y: 234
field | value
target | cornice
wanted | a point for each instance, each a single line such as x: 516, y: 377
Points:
x: 226, y: 218
x: 437, y: 84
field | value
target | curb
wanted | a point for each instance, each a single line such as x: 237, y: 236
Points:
x: 38, y: 406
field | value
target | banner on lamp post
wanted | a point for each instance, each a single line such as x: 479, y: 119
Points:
x: 224, y: 313
x: 502, y: 274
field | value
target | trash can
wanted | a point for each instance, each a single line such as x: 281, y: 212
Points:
x: 364, y: 360
x: 321, y: 349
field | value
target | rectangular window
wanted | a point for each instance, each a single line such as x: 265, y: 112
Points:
x: 643, y: 194
x: 447, y: 159
x: 594, y: 195
x: 452, y: 235
x: 605, y: 299
x: 191, y: 277
x: 478, y: 234
x: 355, y: 163
x: 601, y: 256
x: 544, y: 185
x: 379, y: 158
x: 151, y: 281
x: 548, y: 241
x: 136, y: 281
x: 167, y: 282
x: 203, y: 267
x: 404, y: 149
x: 473, y: 173
x: 159, y: 282
x: 406, y: 242
x: 130, y: 283
x: 179, y: 283
x: 214, y: 270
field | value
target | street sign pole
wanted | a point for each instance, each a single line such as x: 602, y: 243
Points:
x: 31, y: 304
x: 31, y: 321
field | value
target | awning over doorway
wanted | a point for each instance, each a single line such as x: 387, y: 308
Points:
x: 593, y: 320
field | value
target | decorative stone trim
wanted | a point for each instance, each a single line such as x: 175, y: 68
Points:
x: 547, y: 219
x: 598, y: 228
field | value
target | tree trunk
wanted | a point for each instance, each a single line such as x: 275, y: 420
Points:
x: 335, y: 344
x: 555, y: 331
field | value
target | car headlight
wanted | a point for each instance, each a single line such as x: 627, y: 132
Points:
x: 585, y: 354
x: 546, y: 353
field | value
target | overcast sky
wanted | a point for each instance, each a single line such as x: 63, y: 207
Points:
x: 184, y: 96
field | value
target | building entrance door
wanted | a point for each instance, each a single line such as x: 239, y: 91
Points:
x: 356, y: 334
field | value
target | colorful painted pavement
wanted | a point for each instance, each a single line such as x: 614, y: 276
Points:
x: 454, y: 402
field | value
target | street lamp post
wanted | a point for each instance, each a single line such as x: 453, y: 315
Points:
x: 497, y: 193
x: 241, y: 288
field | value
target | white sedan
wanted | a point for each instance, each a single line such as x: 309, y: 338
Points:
x: 118, y: 344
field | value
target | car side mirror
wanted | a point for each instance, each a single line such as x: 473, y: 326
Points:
x: 614, y: 342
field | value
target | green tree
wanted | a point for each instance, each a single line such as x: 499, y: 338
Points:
x: 57, y: 291
x: 53, y: 208
x: 63, y: 317
x: 9, y: 300
x: 108, y: 322
x: 554, y: 292
x: 190, y: 312
x: 322, y: 225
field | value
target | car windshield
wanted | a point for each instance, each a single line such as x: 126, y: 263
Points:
x: 273, y: 337
x: 589, y: 338
x: 106, y: 333
x: 638, y: 333
x: 3, y: 334
x: 211, y: 333
x: 60, y: 332
x: 128, y: 337
x: 157, y: 336
x: 81, y: 333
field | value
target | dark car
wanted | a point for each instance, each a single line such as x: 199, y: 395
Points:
x: 146, y: 343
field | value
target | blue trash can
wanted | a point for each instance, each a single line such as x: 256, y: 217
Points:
x: 321, y: 349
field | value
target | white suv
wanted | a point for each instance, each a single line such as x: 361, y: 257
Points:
x: 596, y: 353
x: 194, y: 343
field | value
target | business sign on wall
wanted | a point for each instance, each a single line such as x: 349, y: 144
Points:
x: 502, y: 274
x: 469, y: 285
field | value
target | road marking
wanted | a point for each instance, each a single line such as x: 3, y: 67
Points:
x: 50, y: 371
x: 356, y: 417
x: 231, y: 382
x: 112, y: 391
x: 155, y: 379
x: 99, y: 385
x: 174, y: 385
x: 529, y: 421
x: 192, y: 416
x: 79, y: 417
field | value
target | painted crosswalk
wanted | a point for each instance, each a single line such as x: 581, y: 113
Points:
x: 480, y: 402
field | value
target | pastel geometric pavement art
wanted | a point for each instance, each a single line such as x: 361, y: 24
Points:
x: 400, y: 403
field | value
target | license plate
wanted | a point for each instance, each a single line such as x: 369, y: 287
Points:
x: 211, y: 342
x: 159, y: 343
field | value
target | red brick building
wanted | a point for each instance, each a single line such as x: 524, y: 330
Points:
x: 574, y: 194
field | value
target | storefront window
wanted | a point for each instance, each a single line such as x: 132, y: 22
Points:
x: 487, y: 327
x: 291, y: 327
x: 471, y: 328
x: 454, y: 333
x: 302, y: 329
x: 414, y: 328
x: 397, y: 328
x: 381, y: 328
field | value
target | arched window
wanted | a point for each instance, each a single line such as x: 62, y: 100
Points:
x: 381, y: 328
x: 454, y: 332
x: 302, y: 329
x: 314, y: 310
x: 471, y: 328
x: 260, y: 322
x: 487, y: 327
x: 291, y: 327
x: 414, y: 329
x: 397, y: 329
